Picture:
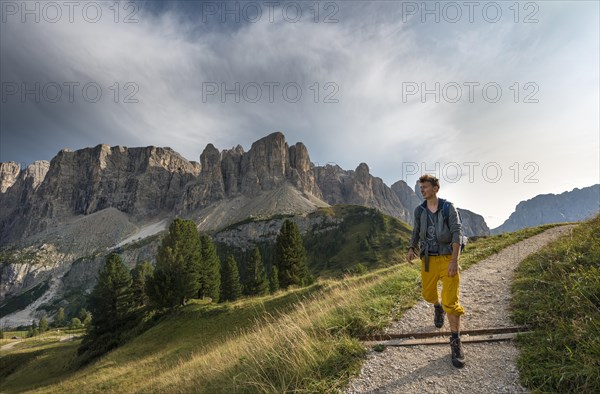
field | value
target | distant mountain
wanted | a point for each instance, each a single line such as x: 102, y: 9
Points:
x: 570, y: 206
x: 150, y: 184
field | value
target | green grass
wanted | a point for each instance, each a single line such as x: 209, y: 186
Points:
x: 557, y: 292
x: 302, y: 340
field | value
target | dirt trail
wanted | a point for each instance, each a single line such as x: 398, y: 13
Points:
x: 490, y: 367
x: 61, y: 338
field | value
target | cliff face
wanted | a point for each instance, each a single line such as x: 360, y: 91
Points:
x: 141, y: 182
x: 268, y: 165
x: 150, y: 183
x: 576, y: 205
x: 359, y: 187
x: 8, y: 175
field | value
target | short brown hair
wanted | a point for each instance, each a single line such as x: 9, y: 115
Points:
x: 431, y: 179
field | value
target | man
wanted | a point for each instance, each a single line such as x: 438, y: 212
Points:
x: 437, y: 235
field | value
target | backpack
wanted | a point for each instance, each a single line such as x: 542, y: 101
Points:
x: 446, y: 215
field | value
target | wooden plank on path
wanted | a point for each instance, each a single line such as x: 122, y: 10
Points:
x: 444, y: 340
x: 417, y: 335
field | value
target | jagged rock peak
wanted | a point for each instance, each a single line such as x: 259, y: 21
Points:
x: 36, y: 172
x: 104, y: 156
x: 33, y: 175
x: 266, y: 164
x: 362, y: 168
x: 9, y: 171
x: 362, y: 175
x: 210, y: 159
x: 237, y: 150
x: 299, y: 157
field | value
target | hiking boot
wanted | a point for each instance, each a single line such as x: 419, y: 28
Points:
x: 458, y: 357
x: 438, y: 317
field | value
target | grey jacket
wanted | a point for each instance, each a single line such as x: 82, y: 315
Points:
x: 446, y: 233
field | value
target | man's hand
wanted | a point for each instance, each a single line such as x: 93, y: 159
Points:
x: 411, y: 255
x: 453, y: 268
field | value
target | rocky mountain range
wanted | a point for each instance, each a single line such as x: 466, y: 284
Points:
x: 570, y: 206
x: 149, y: 183
x: 58, y: 218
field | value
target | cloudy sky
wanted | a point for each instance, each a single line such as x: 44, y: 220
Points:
x: 500, y: 99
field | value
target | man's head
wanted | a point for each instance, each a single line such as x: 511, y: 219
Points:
x: 429, y: 186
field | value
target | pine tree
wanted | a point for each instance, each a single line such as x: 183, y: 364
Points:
x: 111, y: 304
x: 256, y: 282
x: 177, y: 272
x: 43, y: 324
x: 210, y: 270
x: 290, y: 256
x: 59, y: 320
x: 139, y: 276
x: 274, y: 280
x: 111, y: 300
x: 231, y: 289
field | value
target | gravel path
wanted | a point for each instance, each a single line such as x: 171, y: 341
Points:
x: 490, y: 367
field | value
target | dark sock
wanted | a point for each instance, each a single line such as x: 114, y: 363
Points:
x: 455, y: 335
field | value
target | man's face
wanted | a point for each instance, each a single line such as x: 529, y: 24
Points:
x: 427, y: 190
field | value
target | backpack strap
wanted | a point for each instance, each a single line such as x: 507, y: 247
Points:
x: 446, y: 211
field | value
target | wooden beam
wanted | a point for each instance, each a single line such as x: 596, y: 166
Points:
x: 443, y: 340
x: 416, y: 335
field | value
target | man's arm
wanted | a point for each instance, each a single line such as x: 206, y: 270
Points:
x: 453, y: 266
x: 414, y: 240
x: 456, y: 230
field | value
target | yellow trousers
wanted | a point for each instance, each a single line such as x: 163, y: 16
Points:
x: 438, y: 269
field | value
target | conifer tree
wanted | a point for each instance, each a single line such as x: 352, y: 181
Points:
x: 43, y: 324
x: 210, y: 270
x: 111, y: 304
x: 177, y: 272
x: 290, y: 256
x: 59, y: 319
x: 256, y: 282
x: 274, y: 280
x: 111, y: 300
x: 140, y: 275
x: 231, y: 289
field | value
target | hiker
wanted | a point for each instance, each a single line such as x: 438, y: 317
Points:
x: 437, y: 234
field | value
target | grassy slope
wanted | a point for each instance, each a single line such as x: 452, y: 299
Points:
x: 557, y: 292
x: 365, y: 236
x: 303, y: 339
